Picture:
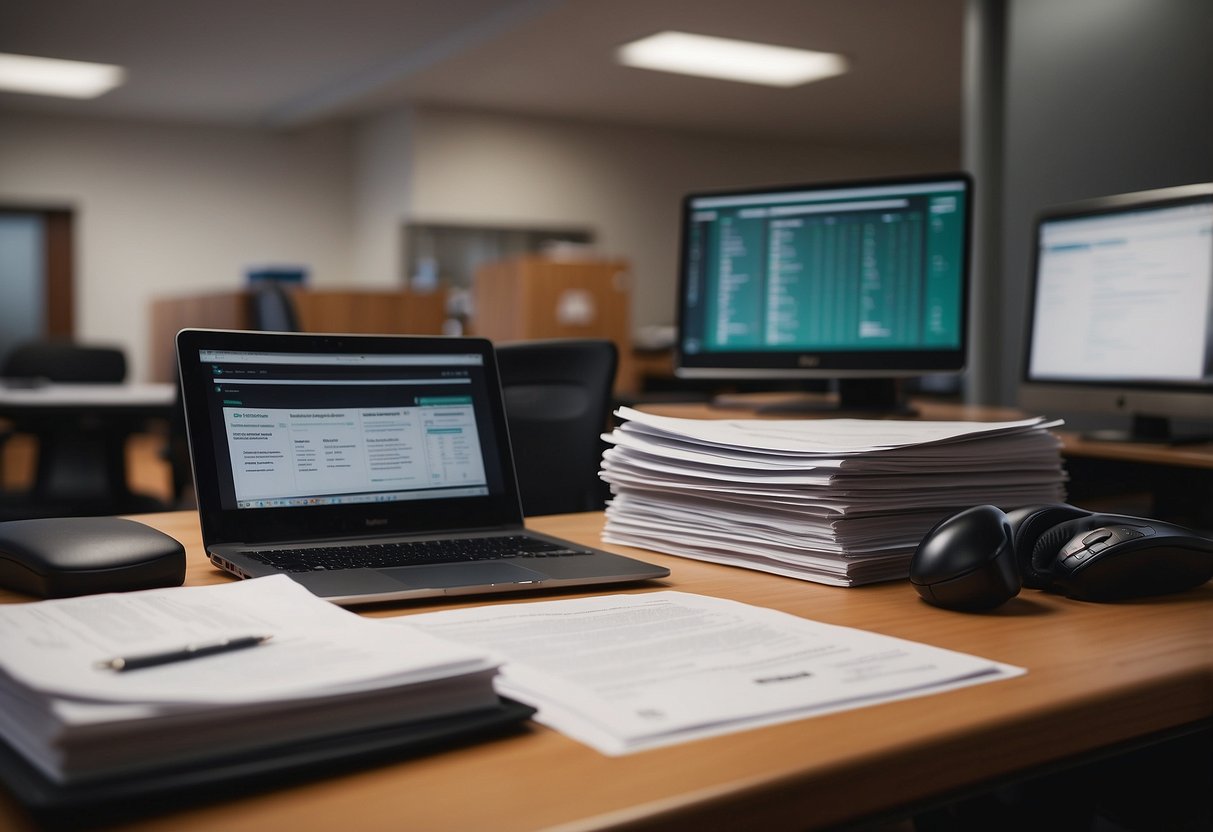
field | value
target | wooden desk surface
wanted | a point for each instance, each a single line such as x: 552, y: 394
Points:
x: 1098, y: 675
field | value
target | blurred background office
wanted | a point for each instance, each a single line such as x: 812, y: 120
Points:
x: 354, y: 141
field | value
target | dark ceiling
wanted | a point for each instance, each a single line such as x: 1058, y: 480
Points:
x: 282, y: 63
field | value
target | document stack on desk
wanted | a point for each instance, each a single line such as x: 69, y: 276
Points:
x: 73, y: 707
x: 837, y: 501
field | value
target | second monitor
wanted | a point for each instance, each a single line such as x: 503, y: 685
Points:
x: 861, y: 282
x: 1120, y: 316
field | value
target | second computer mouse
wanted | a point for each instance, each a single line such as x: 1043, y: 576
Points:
x: 1132, y: 558
x: 64, y: 556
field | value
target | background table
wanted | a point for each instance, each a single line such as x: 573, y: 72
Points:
x: 82, y: 431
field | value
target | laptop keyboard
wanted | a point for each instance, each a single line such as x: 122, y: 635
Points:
x: 382, y: 555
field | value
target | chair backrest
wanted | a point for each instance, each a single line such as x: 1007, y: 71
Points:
x: 558, y: 404
x: 177, y: 452
x: 271, y: 308
x: 65, y: 362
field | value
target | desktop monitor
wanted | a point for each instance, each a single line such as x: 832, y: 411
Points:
x: 861, y: 283
x: 1120, y: 311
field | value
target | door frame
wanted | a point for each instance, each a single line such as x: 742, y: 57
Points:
x: 58, y: 278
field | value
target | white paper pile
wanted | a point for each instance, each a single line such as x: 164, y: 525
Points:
x: 325, y: 672
x: 838, y: 501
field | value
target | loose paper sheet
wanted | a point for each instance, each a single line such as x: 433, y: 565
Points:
x: 828, y: 437
x: 623, y: 673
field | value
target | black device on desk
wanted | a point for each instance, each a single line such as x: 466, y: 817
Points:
x: 63, y: 556
x: 978, y: 558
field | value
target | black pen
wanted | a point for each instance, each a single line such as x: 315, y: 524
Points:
x: 190, y: 651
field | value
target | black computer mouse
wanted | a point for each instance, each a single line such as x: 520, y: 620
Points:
x: 57, y: 557
x: 968, y: 561
x: 1132, y: 558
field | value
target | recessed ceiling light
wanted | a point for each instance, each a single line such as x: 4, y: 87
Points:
x: 51, y: 76
x: 733, y: 60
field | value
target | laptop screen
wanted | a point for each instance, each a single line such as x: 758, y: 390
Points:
x: 343, y: 434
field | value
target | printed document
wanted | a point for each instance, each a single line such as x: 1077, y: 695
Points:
x: 316, y: 647
x: 624, y: 673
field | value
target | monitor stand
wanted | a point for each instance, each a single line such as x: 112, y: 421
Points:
x: 861, y: 398
x: 1148, y: 429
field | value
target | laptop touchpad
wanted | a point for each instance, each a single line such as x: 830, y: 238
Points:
x: 482, y: 573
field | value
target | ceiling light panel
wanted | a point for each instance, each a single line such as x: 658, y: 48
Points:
x: 51, y: 76
x: 732, y: 60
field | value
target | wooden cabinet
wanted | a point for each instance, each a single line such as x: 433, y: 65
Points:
x: 531, y: 297
x: 389, y: 311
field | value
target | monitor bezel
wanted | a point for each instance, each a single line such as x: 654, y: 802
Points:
x: 1148, y: 403
x: 742, y: 365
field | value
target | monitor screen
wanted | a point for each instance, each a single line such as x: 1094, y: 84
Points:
x: 863, y: 282
x: 1120, y: 315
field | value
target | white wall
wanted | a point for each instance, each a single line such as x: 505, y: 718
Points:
x: 167, y: 209
x: 177, y: 209
x: 625, y: 183
x: 383, y: 176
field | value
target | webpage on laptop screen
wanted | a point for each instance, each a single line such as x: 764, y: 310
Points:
x: 301, y: 429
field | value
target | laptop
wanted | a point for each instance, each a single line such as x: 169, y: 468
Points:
x: 367, y: 468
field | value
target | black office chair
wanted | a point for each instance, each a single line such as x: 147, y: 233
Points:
x: 271, y: 308
x: 558, y: 404
x: 65, y: 362
x: 176, y: 453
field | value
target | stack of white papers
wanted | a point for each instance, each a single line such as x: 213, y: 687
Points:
x: 839, y: 501
x: 325, y: 672
x: 623, y: 673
